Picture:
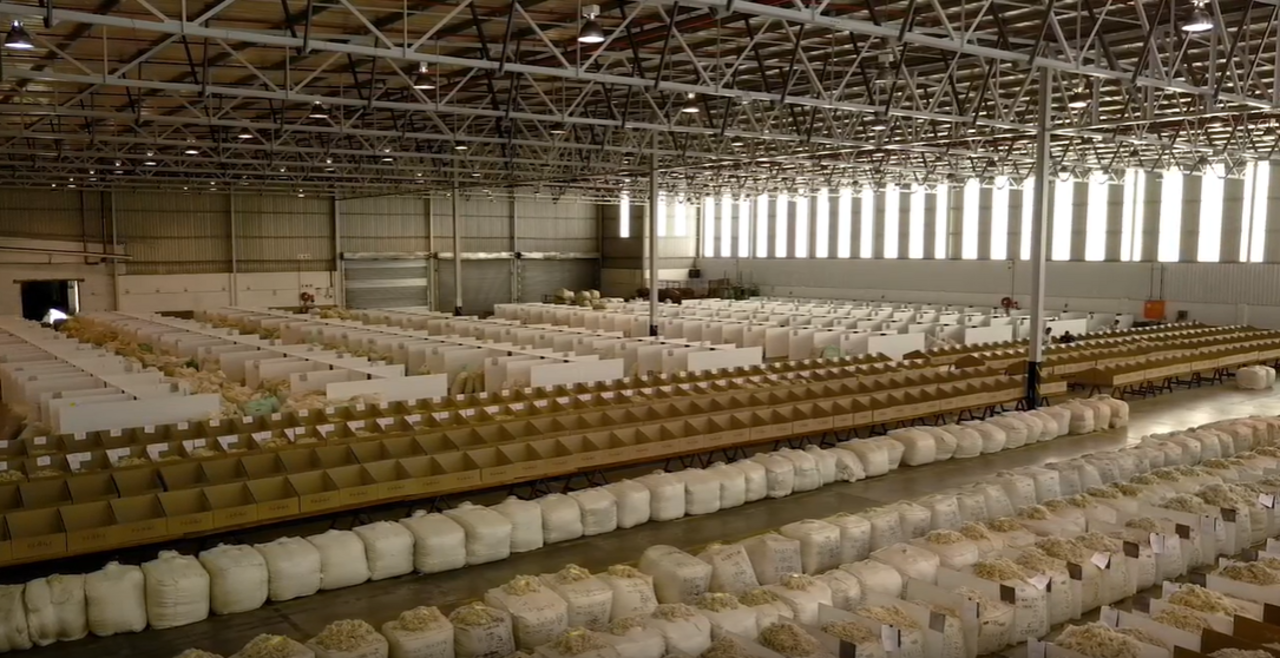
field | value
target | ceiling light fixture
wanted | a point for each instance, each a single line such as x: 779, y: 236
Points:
x: 244, y: 134
x: 1198, y: 20
x: 149, y: 163
x: 690, y: 104
x: 591, y: 32
x: 737, y: 142
x: 191, y: 150
x: 318, y: 111
x: 876, y: 124
x: 422, y: 79
x: 18, y: 39
x: 459, y: 147
x: 558, y: 130
x: 1079, y: 99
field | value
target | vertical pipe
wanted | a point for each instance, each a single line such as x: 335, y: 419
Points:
x: 515, y: 248
x: 235, y: 273
x: 457, y: 254
x: 1040, y: 220
x: 652, y: 232
x: 433, y: 287
x: 115, y: 264
x: 340, y: 286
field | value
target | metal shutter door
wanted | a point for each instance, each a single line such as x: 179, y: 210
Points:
x: 386, y: 283
x: 545, y: 277
x: 484, y: 283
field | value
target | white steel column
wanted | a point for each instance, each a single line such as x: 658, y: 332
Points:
x: 235, y: 274
x: 651, y: 233
x: 457, y: 254
x: 1039, y: 222
x: 340, y: 285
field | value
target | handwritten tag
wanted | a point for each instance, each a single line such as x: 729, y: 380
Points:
x: 1101, y: 560
x: 78, y: 436
x: 148, y: 429
x: 564, y: 400
x: 261, y: 436
x: 325, y: 429
x: 228, y: 442
x: 276, y: 416
x: 215, y: 422
x: 1157, y: 543
x: 440, y: 415
x: 541, y: 404
x: 492, y: 410
x: 115, y: 433
x: 329, y: 410
x: 1110, y: 617
x: 246, y: 419
x: 182, y: 425
x: 303, y: 413
x: 76, y: 460
x: 40, y: 440
x: 1036, y: 648
x: 1039, y: 581
x: 114, y: 455
x: 516, y: 406
x: 155, y: 450
x: 384, y: 405
x: 413, y: 419
x: 1267, y: 500
x: 359, y: 406
x: 467, y: 413
x: 890, y: 638
x: 607, y: 395
x: 384, y: 423
x: 355, y: 425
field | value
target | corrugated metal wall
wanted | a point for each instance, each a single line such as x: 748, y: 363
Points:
x: 283, y: 234
x: 543, y: 277
x: 484, y: 283
x: 175, y: 233
x: 50, y: 214
x: 384, y: 224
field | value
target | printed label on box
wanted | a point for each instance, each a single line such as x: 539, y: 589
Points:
x: 325, y: 429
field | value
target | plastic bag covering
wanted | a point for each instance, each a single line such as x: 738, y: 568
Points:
x: 666, y: 496
x: 177, y: 590
x: 433, y: 639
x: 873, y: 455
x: 701, y: 492
x: 633, y: 502
x: 439, y: 543
x: 561, y: 518
x: 488, y: 533
x: 388, y: 547
x: 1251, y: 378
x: 526, y: 523
x: 731, y: 569
x: 1101, y: 413
x: 773, y: 556
x: 633, y: 593
x: 1015, y: 431
x: 780, y: 474
x: 820, y: 548
x: 755, y: 478
x: 537, y: 616
x: 690, y: 636
x: 848, y: 467
x: 42, y: 620
x: 825, y: 461
x: 238, y: 579
x: 1061, y: 417
x: 1068, y: 478
x: 1019, y: 489
x: 590, y: 600
x: 918, y: 447
x: 14, y: 635
x: 342, y: 559
x: 914, y: 519
x: 599, y: 510
x: 855, y: 536
x: 846, y: 589
x: 1046, y: 482
x: 56, y: 609
x: 733, y: 484
x: 968, y: 441
x: 993, y: 438
x: 116, y: 599
x: 944, y: 444
x: 807, y: 477
x: 1120, y: 408
x: 481, y: 632
x: 876, y: 578
x: 677, y: 576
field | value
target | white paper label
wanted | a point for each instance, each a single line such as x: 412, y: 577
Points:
x: 359, y: 406
x: 182, y: 425
x: 78, y: 436
x: 482, y: 395
x: 1157, y: 543
x: 329, y: 410
x: 492, y: 410
x: 969, y: 610
x: 889, y: 637
x: 1039, y: 581
x: 114, y: 455
x: 413, y: 419
x: 355, y: 425
x: 467, y: 413
x: 215, y: 422
x: 261, y: 436
x: 384, y: 405
x: 1036, y: 648
x: 115, y: 433
x: 1110, y: 617
x: 303, y: 413
x: 149, y: 429
x: 440, y: 415
x: 4, y: 466
x: 276, y: 416
x: 1267, y: 500
x: 44, y: 460
x: 40, y: 440
x: 1101, y: 560
x: 608, y: 395
x: 384, y: 423
x: 155, y: 450
x: 4, y: 445
x: 228, y: 442
x: 246, y: 419
x: 324, y: 429
x: 541, y: 404
x: 76, y: 460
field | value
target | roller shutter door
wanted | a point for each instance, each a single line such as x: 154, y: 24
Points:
x: 484, y: 283
x: 545, y: 277
x: 387, y: 283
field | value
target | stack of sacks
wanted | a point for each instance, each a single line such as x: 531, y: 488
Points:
x: 1255, y: 378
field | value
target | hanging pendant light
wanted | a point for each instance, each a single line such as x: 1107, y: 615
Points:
x: 17, y: 38
x: 1198, y: 20
x: 690, y: 104
x: 591, y: 32
x: 1079, y: 99
x: 422, y: 79
x: 318, y: 111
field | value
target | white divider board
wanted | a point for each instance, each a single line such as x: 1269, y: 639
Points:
x: 854, y: 343
x: 65, y: 397
x: 984, y: 335
x: 776, y: 342
x: 694, y: 330
x: 713, y: 332
x: 1073, y: 315
x: 232, y: 363
x: 730, y: 358
x: 584, y: 372
x: 926, y: 328
x: 953, y: 332
x: 870, y: 325
x: 134, y: 413
x: 735, y: 333
x: 268, y: 369
x: 393, y: 389
x: 800, y: 343
x: 387, y: 370
x: 895, y: 346
x: 1126, y: 320
x: 318, y: 380
x: 1076, y: 327
x: 56, y: 406
x: 1000, y: 321
x: 452, y: 360
x: 649, y: 359
x: 676, y: 359
x: 496, y: 371
x: 163, y: 390
x: 1101, y: 321
x: 827, y: 338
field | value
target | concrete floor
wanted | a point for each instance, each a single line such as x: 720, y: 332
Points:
x: 382, y: 601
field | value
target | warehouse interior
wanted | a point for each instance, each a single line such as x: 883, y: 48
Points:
x: 536, y: 247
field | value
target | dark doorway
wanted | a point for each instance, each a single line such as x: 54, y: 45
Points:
x: 39, y: 297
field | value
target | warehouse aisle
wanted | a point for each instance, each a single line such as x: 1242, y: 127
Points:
x: 383, y: 601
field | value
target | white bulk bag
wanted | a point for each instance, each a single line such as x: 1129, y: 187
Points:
x: 944, y: 443
x: 701, y: 492
x: 599, y: 510
x: 488, y: 533
x: 998, y: 503
x: 632, y: 591
x: 42, y: 621
x: 731, y: 570
x: 116, y: 600
x: 993, y: 438
x: 893, y: 451
x: 1020, y: 489
x: 820, y: 548
x: 333, y: 640
x: 419, y: 633
x: 755, y: 477
x: 773, y: 556
x: 1015, y: 431
x: 293, y: 568
x: 768, y: 607
x: 1120, y: 408
x: 342, y: 559
x: 388, y: 547
x: 968, y: 441
x: 873, y: 455
x: 944, y: 511
x: 804, y: 595
x: 1068, y: 478
x: 276, y: 646
x: 1061, y: 417
x: 876, y: 578
x: 480, y: 631
x: 807, y: 477
x: 538, y: 614
x: 561, y: 518
x: 953, y: 550
x: 1082, y: 418
x: 666, y: 495
x: 846, y: 589
x: 686, y: 631
x: 886, y: 526
x: 677, y: 576
x: 1049, y: 429
x: 825, y: 461
x: 1046, y: 481
x: 632, y: 638
x: 589, y: 599
x: 848, y: 466
x: 1101, y: 413
x: 855, y: 536
x: 914, y: 519
x: 566, y: 645
x: 972, y: 505
x: 238, y: 579
x: 14, y: 635
x: 439, y: 543
x: 1035, y: 428
x: 1251, y: 378
x: 526, y: 523
x: 177, y: 590
x: 733, y: 484
x: 55, y: 609
x: 779, y: 472
x: 910, y: 561
x: 633, y: 502
x: 918, y: 448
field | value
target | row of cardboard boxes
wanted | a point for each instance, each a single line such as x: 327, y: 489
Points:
x: 1200, y: 359
x: 1156, y: 371
x: 60, y: 455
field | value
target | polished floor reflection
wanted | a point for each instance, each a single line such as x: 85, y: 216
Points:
x: 383, y: 601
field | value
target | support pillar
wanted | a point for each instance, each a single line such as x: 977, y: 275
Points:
x: 457, y: 254
x: 651, y: 232
x: 235, y: 268
x: 1039, y: 222
x: 340, y: 285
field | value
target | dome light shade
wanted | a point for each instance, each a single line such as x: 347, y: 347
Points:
x: 1079, y: 99
x: 1198, y: 21
x: 690, y: 105
x: 318, y: 111
x: 591, y: 32
x: 17, y: 38
x: 422, y: 79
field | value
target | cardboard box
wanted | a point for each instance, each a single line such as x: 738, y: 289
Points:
x: 182, y: 475
x: 36, y: 534
x: 355, y: 485
x: 394, y: 482
x: 186, y: 511
x: 138, y: 481
x: 316, y: 491
x: 275, y: 498
x: 232, y: 505
x: 139, y: 519
x: 89, y: 526
x: 265, y: 465
x: 223, y: 471
x: 92, y: 487
x: 44, y: 493
x: 10, y: 498
x: 6, y: 543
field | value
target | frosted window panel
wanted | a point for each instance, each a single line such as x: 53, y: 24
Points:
x: 822, y: 224
x: 941, y: 215
x: 892, y: 212
x: 1000, y: 219
x: 1028, y: 214
x: 762, y: 226
x: 844, y: 224
x: 1126, y: 215
x: 726, y: 227
x: 709, y: 227
x: 624, y: 217
x: 744, y: 228
x: 915, y: 223
x: 802, y: 226
x: 969, y: 220
x: 1063, y: 200
x: 663, y: 201
x: 1169, y: 239
x: 1095, y: 225
x: 781, y: 223
x: 1253, y: 224
x: 868, y: 219
x: 1209, y: 246
x: 681, y: 225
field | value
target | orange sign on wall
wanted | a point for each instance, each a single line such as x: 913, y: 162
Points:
x: 1153, y: 310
